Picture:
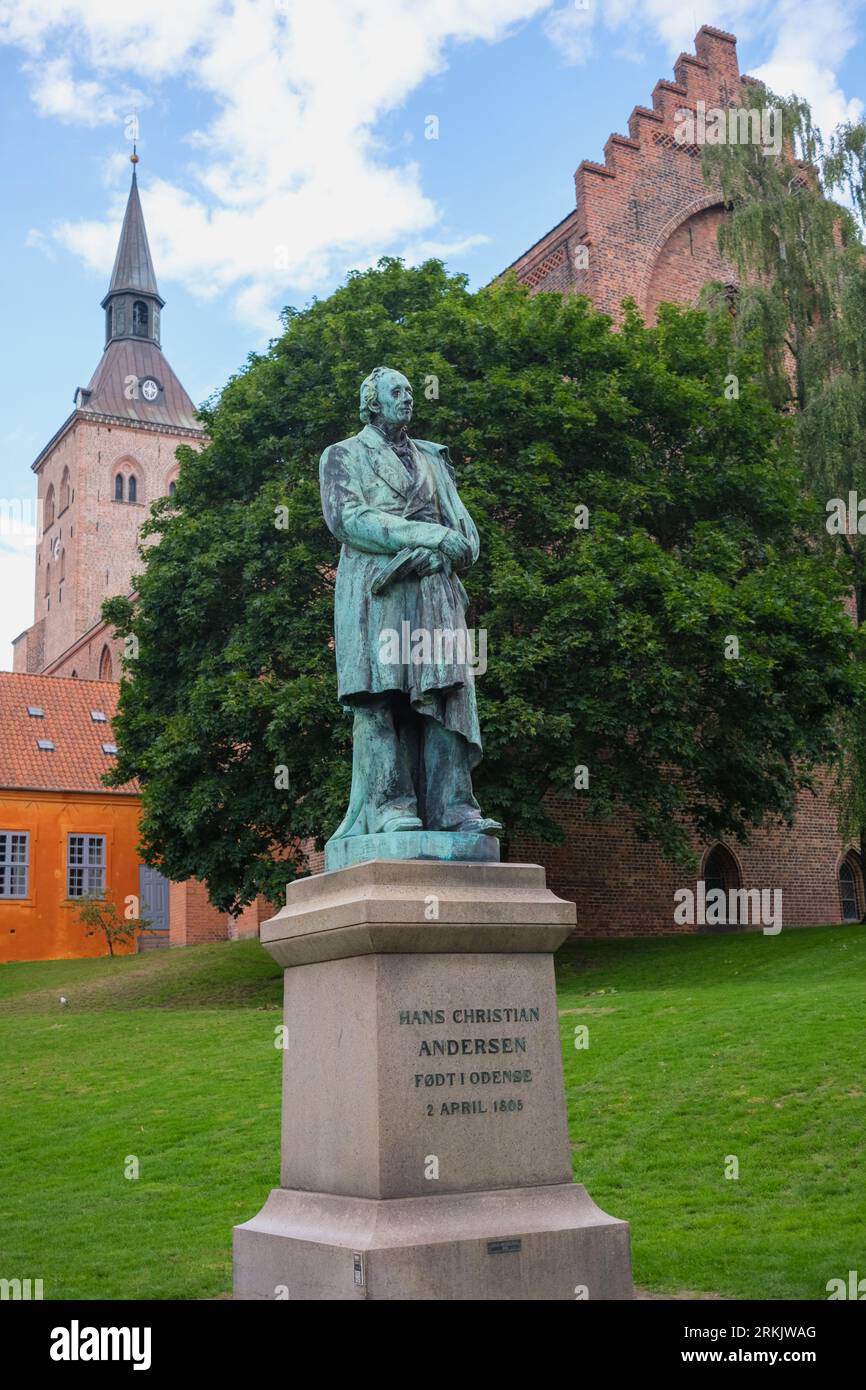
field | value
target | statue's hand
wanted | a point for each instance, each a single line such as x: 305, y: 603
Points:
x: 431, y: 563
x: 457, y: 548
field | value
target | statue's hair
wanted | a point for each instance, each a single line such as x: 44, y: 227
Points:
x: 370, y: 391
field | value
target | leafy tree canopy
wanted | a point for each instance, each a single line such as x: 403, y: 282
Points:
x: 802, y: 267
x: 607, y: 646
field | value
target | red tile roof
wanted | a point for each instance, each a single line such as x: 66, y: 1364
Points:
x: 77, y: 762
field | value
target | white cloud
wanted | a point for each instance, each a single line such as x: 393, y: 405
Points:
x: 57, y: 93
x: 809, y: 48
x: 115, y: 168
x: 443, y: 250
x: 676, y: 23
x: 38, y: 241
x: 290, y: 184
x: 570, y: 30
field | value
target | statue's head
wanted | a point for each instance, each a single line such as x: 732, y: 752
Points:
x: 386, y: 398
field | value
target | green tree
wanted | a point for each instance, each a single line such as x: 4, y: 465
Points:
x: 801, y: 263
x: 95, y: 911
x: 608, y: 646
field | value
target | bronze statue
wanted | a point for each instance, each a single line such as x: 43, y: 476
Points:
x: 404, y: 656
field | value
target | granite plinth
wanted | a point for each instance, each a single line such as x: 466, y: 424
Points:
x: 425, y: 1150
x: 426, y: 907
x: 518, y: 1244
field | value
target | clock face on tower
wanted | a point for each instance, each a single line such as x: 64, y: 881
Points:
x: 149, y: 389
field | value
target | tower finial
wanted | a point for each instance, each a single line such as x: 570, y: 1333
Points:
x: 133, y: 158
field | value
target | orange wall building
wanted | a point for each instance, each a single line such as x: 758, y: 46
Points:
x: 62, y: 834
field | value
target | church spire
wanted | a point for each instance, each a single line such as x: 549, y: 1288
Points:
x: 133, y: 302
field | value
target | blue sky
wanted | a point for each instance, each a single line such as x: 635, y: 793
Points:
x: 291, y: 133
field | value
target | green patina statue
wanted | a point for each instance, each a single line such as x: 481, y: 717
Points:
x: 404, y: 656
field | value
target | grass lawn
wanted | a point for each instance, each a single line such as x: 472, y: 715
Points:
x: 702, y: 1048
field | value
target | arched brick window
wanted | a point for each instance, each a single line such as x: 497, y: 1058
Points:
x: 132, y: 492
x: 49, y: 506
x: 850, y: 888
x: 106, y: 665
x: 720, y: 869
x: 118, y: 488
x: 65, y: 491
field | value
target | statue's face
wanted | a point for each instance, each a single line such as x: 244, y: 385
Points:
x: 395, y: 400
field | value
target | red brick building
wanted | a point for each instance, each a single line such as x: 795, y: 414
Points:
x: 644, y: 226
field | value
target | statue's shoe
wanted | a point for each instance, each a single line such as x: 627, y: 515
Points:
x: 397, y: 823
x: 478, y: 825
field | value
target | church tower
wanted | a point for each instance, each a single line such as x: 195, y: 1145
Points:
x: 110, y: 459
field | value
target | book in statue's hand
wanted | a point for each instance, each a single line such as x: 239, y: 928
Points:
x: 402, y: 565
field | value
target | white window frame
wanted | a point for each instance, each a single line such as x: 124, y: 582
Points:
x: 11, y: 865
x: 85, y: 876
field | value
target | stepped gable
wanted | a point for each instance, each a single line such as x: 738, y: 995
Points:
x: 645, y: 223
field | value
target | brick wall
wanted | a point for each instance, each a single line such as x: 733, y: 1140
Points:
x: 249, y: 921
x: 623, y: 887
x: 193, y: 920
x: 97, y: 538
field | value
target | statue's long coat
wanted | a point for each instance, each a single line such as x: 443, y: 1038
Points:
x: 372, y: 506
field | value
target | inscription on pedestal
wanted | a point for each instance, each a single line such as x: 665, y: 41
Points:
x: 469, y: 1086
x: 471, y: 1073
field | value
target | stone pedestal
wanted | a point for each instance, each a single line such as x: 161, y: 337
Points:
x: 425, y: 1153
